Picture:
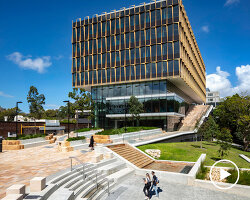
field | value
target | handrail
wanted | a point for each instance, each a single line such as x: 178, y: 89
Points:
x: 71, y: 167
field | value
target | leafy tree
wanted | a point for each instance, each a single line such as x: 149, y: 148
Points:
x: 224, y: 139
x: 63, y: 111
x: 135, y: 108
x: 51, y: 114
x: 83, y: 102
x: 233, y: 113
x: 10, y: 113
x: 36, y: 103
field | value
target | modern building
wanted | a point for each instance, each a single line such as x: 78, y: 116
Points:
x: 148, y: 51
x: 212, y: 98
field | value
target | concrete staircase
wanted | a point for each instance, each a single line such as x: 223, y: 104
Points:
x: 194, y: 113
x: 132, y: 155
x: 93, y: 183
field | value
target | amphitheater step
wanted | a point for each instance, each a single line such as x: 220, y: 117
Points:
x: 62, y: 194
x: 121, y: 175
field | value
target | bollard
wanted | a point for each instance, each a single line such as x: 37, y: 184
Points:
x: 1, y: 144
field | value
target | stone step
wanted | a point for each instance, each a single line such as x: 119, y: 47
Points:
x: 112, y: 168
x: 44, y: 194
x: 121, y: 175
x: 62, y: 194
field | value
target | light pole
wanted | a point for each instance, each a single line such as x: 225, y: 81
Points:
x: 17, y: 114
x: 68, y: 115
x: 126, y: 110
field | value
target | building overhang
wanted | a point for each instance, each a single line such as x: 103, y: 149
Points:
x: 162, y: 114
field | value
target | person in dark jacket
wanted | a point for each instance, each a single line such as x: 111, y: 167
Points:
x: 147, y: 182
x: 155, y: 181
x: 91, y: 143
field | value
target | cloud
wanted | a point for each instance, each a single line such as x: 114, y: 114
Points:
x: 2, y: 94
x: 219, y: 81
x: 205, y: 29
x: 26, y: 62
x: 59, y: 57
x: 231, y: 2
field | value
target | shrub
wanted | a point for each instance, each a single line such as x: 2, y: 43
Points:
x: 202, y: 173
x: 122, y: 130
x: 25, y: 137
x: 73, y: 121
x: 76, y: 138
x: 244, y: 177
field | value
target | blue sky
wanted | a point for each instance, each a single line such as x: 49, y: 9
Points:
x: 35, y: 44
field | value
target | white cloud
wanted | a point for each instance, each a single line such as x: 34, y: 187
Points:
x: 230, y: 2
x: 205, y: 29
x: 38, y: 64
x: 2, y: 94
x: 220, y: 82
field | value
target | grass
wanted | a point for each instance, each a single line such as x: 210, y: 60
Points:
x: 85, y: 129
x: 25, y: 137
x: 244, y: 177
x: 76, y: 138
x: 122, y: 130
x: 190, y: 151
x: 203, y: 172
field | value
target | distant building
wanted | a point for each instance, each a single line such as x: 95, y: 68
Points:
x: 212, y: 98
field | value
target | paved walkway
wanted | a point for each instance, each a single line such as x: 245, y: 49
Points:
x: 19, y: 166
x: 132, y: 189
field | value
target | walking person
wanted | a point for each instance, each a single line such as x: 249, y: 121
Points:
x: 146, y: 189
x: 91, y: 143
x: 155, y: 182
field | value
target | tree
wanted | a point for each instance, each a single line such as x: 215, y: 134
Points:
x: 51, y: 114
x: 208, y: 130
x: 10, y: 113
x: 233, y: 113
x: 83, y: 102
x: 36, y: 103
x: 63, y: 111
x: 224, y: 139
x: 135, y: 108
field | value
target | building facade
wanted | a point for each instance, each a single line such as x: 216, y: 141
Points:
x: 212, y: 98
x: 148, y: 51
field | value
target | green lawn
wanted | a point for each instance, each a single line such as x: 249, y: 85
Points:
x: 190, y: 151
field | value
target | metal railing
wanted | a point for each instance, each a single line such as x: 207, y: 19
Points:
x: 83, y: 166
x: 104, y: 180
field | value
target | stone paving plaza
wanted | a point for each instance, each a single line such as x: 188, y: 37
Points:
x: 20, y: 166
x: 132, y: 189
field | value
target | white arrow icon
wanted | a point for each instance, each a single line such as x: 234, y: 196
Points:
x: 223, y: 174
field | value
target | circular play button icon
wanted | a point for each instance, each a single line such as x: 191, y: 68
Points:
x: 217, y: 175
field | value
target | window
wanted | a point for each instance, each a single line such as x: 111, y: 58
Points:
x: 153, y: 70
x: 90, y: 77
x: 164, y: 15
x: 126, y: 22
x: 176, y: 13
x: 103, y: 27
x: 164, y: 51
x: 148, y: 70
x: 142, y: 38
x: 170, y: 32
x: 113, y: 42
x: 108, y: 75
x: 82, y: 63
x: 94, y: 29
x: 132, y: 70
x: 118, y: 58
x: 108, y: 43
x: 156, y: 87
x: 176, y: 67
x: 113, y: 58
x: 158, y: 34
x: 122, y: 23
x: 95, y: 60
x: 132, y: 20
x: 86, y: 62
x: 170, y: 68
x: 138, y: 70
x: 136, y: 89
x: 122, y: 57
x: 90, y: 30
x: 169, y: 14
x: 127, y: 39
x: 142, y: 20
x: 153, y: 18
x: 117, y: 24
x: 137, y: 38
x: 86, y: 32
x: 99, y: 76
x: 148, y: 36
x: 127, y: 73
x: 112, y: 74
x: 108, y: 27
x: 153, y: 52
x: 148, y: 52
x: 176, y: 50
x: 158, y: 15
x: 153, y: 35
x: 142, y: 71
x: 137, y: 21
x: 86, y: 78
x: 132, y: 39
x: 104, y: 58
x: 118, y: 74
x: 99, y: 29
x: 103, y: 76
x: 99, y: 60
x: 137, y: 55
x: 118, y: 41
x: 78, y: 34
x: 74, y: 34
x: 108, y: 59
x: 164, y: 68
x: 94, y: 78
x: 176, y: 34
x: 127, y: 56
x: 122, y: 74
x: 90, y: 62
x: 147, y: 18
x: 159, y: 69
x: 132, y: 55
x: 74, y: 65
x: 103, y: 44
x: 170, y: 50
x: 74, y: 50
x: 143, y: 52
x: 78, y: 49
x: 158, y: 52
